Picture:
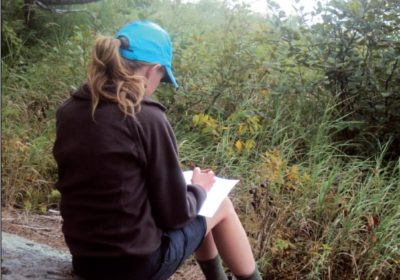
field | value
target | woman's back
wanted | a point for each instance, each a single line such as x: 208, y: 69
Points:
x: 101, y: 179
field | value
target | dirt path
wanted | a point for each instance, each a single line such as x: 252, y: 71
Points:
x: 46, y: 229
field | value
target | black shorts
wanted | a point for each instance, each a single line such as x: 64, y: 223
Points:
x: 176, y: 247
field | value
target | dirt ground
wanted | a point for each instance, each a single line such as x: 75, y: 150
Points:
x: 46, y: 229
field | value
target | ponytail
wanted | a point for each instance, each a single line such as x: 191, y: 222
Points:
x: 107, y: 68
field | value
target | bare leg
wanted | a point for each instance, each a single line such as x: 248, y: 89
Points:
x: 230, y: 239
x: 209, y: 261
x: 207, y: 250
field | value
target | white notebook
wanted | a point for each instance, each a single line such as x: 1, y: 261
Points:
x: 215, y: 196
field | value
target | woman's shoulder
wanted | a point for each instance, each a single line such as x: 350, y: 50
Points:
x: 150, y: 109
x: 149, y: 104
x: 151, y: 115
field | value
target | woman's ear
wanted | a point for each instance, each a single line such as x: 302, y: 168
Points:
x: 153, y: 69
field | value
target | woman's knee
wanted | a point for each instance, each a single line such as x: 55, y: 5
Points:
x: 227, y: 207
x: 224, y: 211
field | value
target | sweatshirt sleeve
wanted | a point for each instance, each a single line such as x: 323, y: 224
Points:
x: 173, y: 203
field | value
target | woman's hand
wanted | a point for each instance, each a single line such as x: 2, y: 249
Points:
x: 204, y: 178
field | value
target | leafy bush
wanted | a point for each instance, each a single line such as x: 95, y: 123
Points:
x: 356, y: 45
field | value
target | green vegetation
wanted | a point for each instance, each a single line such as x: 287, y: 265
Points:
x: 306, y: 115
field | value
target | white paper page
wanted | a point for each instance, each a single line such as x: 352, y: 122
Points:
x: 215, y: 196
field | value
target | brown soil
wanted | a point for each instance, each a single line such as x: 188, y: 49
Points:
x: 46, y: 229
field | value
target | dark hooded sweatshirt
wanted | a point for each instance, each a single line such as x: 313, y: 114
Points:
x: 119, y: 178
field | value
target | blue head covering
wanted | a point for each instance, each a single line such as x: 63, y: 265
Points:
x: 148, y: 42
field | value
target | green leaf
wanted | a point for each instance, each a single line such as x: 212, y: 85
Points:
x: 386, y: 93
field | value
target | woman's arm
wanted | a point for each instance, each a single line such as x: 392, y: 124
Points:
x: 173, y: 202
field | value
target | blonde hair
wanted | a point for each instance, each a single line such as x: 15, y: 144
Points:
x: 106, y: 68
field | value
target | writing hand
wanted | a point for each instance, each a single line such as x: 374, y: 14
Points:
x: 205, y: 178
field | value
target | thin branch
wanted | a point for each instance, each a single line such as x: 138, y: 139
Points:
x: 391, y: 74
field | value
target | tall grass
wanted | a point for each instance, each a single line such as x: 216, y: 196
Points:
x: 311, y: 211
x: 37, y: 76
